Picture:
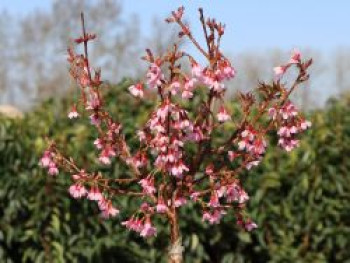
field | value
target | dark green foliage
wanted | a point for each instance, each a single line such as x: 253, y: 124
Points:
x: 301, y: 201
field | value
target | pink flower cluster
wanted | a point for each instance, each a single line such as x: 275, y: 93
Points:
x: 47, y: 161
x: 154, y: 76
x: 78, y: 190
x: 290, y: 125
x: 213, y: 78
x: 106, y: 143
x: 143, y: 226
x: 254, y: 144
x: 167, y: 130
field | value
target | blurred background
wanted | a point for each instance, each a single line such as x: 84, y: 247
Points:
x: 300, y: 201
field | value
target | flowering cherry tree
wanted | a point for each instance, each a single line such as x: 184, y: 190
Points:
x: 177, y: 160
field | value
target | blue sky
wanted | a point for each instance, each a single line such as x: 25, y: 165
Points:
x: 251, y: 25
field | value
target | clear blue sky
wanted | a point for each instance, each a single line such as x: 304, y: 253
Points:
x: 257, y: 24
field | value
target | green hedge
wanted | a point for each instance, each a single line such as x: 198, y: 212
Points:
x: 300, y: 201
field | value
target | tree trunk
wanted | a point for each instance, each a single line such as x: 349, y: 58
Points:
x: 175, y: 250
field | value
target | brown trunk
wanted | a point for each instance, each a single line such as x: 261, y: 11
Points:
x: 175, y: 250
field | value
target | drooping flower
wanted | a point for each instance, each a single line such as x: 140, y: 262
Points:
x: 133, y: 224
x: 180, y: 201
x: 196, y: 71
x: 214, y: 200
x: 46, y: 159
x: 178, y: 169
x: 148, y: 230
x: 73, y: 114
x: 223, y: 115
x: 53, y: 170
x: 161, y: 206
x: 95, y: 194
x: 77, y: 191
x: 147, y: 185
x: 137, y: 90
x: 98, y: 143
x: 95, y: 119
x: 304, y: 125
x: 280, y: 70
x: 250, y: 225
x: 154, y: 76
x: 213, y: 217
x: 109, y: 210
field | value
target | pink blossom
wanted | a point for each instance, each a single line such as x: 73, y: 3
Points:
x: 98, y: 143
x: 146, y: 208
x: 280, y: 70
x: 288, y: 111
x: 209, y: 170
x: 108, y: 210
x: 250, y: 165
x: 178, y: 169
x: 235, y: 193
x: 53, y: 170
x: 304, y: 125
x: 288, y: 144
x: 232, y: 155
x: 194, y: 196
x: 133, y: 224
x: 94, y: 103
x: 217, y: 86
x: 46, y: 159
x: 221, y: 191
x: 161, y: 206
x: 147, y: 185
x: 187, y: 92
x: 257, y: 147
x: 139, y: 160
x: 162, y: 112
x: 196, y: 71
x: 229, y: 72
x: 196, y: 135
x: 77, y: 190
x: 95, y: 119
x: 243, y: 144
x: 250, y: 225
x: 284, y: 131
x: 136, y: 90
x: 225, y: 71
x: 178, y: 13
x: 223, y: 115
x: 148, y: 230
x: 186, y: 124
x: 141, y: 135
x: 296, y: 57
x: 104, y: 158
x: 249, y: 133
x: 95, y: 194
x: 213, y: 217
x: 180, y: 201
x: 214, y: 201
x: 154, y: 76
x: 175, y: 87
x: 73, y: 114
